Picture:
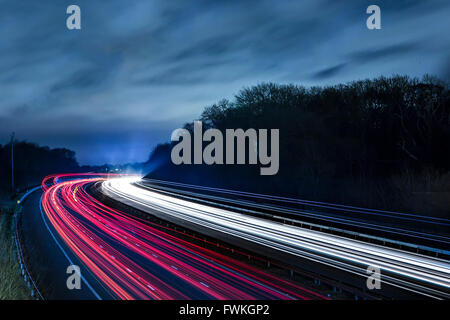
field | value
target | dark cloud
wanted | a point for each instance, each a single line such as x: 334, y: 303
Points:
x: 100, y: 73
x: 329, y: 72
x: 385, y: 52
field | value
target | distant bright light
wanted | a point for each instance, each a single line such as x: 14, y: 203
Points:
x: 127, y: 179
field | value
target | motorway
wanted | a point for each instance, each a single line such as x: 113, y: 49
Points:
x: 418, y: 274
x: 48, y: 258
x: 418, y: 232
x: 125, y: 257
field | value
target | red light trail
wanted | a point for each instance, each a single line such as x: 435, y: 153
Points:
x: 136, y: 259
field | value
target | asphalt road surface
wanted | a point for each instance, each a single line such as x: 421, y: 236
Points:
x: 123, y: 257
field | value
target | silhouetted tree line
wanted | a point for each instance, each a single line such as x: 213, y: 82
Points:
x: 32, y: 163
x: 374, y: 143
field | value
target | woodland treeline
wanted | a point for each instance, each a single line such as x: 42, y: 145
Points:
x: 32, y: 163
x: 381, y: 143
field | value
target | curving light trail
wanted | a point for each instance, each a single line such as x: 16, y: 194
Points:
x: 413, y: 272
x: 347, y: 216
x: 135, y: 259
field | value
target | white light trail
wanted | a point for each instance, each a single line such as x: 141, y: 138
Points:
x: 333, y: 250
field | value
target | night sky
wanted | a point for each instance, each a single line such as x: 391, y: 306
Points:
x: 139, y: 69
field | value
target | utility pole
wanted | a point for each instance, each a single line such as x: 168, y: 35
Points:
x: 12, y: 162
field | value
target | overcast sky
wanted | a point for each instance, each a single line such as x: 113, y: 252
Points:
x: 139, y: 69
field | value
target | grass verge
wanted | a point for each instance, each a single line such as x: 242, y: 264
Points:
x: 12, y: 285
